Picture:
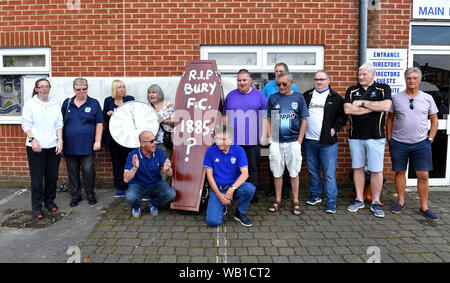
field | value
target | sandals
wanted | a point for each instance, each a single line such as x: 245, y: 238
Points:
x: 296, y: 209
x: 273, y: 208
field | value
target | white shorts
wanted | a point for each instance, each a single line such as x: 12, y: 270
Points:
x: 285, y: 154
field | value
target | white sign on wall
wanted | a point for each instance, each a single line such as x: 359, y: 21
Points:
x: 431, y: 9
x: 390, y: 65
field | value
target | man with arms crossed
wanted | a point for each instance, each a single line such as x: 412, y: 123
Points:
x: 367, y: 103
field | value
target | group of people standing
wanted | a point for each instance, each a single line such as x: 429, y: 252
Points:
x: 279, y: 117
x: 292, y: 121
x: 76, y: 130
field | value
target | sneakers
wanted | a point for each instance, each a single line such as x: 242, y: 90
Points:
x: 397, y: 208
x: 136, y: 212
x: 119, y: 194
x: 430, y: 215
x: 354, y: 207
x: 242, y: 218
x: 377, y: 209
x: 37, y: 214
x: 51, y: 206
x: 153, y: 209
x: 314, y: 200
x: 331, y: 208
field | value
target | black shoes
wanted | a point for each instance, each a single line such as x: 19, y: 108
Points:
x: 74, y: 202
x: 92, y: 201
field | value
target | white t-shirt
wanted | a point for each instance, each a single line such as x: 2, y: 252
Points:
x: 316, y: 109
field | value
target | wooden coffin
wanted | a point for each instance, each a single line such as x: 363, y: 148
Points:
x: 196, y: 112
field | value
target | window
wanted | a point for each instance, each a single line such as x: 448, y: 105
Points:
x: 302, y: 61
x: 16, y: 63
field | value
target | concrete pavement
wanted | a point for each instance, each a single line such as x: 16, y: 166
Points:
x: 106, y: 232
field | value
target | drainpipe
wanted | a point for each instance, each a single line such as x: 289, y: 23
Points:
x: 363, y: 8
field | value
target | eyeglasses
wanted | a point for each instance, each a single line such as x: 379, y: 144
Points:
x: 81, y: 89
x: 411, y: 103
x: 282, y: 84
x: 320, y: 79
x: 44, y: 87
x: 150, y: 141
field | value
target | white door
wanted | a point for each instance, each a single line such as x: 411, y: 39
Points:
x: 435, y: 67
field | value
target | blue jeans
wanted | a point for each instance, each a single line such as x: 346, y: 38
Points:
x: 159, y: 194
x: 326, y: 156
x: 214, y: 212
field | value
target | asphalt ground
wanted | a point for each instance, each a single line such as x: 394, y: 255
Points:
x: 107, y: 233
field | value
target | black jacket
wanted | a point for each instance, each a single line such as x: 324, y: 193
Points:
x: 333, y: 116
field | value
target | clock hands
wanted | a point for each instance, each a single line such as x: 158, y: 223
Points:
x: 132, y: 116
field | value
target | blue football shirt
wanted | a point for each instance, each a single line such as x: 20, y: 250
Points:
x: 148, y: 172
x: 226, y: 167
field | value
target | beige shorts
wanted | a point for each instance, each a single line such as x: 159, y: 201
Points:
x: 285, y: 154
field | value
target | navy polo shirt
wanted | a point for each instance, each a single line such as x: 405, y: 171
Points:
x: 79, y: 126
x: 148, y: 172
x: 226, y: 167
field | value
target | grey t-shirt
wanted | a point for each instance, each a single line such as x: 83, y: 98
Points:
x: 411, y: 125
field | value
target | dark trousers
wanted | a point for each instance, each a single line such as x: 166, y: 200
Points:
x: 119, y: 156
x: 253, y: 153
x: 44, y: 167
x: 87, y: 167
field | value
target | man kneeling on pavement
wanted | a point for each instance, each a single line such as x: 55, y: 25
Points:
x: 142, y: 173
x: 226, y: 170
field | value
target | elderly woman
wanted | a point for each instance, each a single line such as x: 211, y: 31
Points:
x: 165, y: 111
x: 42, y: 123
x: 83, y: 126
x: 118, y: 153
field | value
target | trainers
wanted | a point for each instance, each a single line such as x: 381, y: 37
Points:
x: 153, y: 210
x: 119, y: 194
x: 314, y: 200
x: 430, y: 215
x: 37, y: 214
x: 331, y: 208
x: 377, y: 209
x: 51, y: 206
x: 354, y: 207
x: 242, y: 218
x: 397, y: 208
x: 136, y: 212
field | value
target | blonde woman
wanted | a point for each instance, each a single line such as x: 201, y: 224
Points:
x: 118, y: 153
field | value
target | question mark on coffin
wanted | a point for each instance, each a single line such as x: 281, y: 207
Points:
x: 188, y: 147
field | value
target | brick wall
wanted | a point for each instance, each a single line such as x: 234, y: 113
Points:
x: 155, y: 38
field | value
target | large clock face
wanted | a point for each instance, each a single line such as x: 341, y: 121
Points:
x: 129, y: 120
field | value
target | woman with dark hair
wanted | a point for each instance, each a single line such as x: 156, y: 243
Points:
x: 118, y: 153
x: 165, y: 111
x: 42, y: 123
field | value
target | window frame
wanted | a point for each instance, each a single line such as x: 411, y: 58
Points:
x: 24, y: 71
x: 262, y: 51
x: 25, y: 52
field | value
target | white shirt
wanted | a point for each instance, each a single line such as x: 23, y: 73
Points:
x: 43, y: 119
x: 315, y: 119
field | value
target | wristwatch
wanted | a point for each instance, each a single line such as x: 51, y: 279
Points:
x: 431, y: 139
x: 233, y: 188
x: 30, y: 139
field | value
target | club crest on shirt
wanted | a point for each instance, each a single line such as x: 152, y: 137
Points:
x: 373, y: 94
x: 294, y: 105
x: 233, y: 160
x: 217, y: 160
x: 277, y: 106
x: 87, y: 109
